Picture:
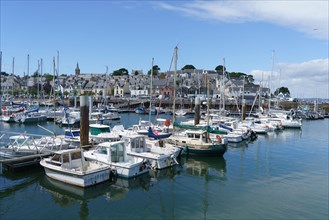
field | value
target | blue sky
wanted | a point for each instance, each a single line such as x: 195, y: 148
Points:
x: 286, y: 38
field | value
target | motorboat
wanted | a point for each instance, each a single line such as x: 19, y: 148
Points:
x: 115, y: 155
x: 159, y: 153
x: 70, y: 166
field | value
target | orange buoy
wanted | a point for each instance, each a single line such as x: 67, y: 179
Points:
x: 167, y: 122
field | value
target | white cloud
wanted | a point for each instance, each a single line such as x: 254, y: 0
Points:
x: 309, y: 17
x: 308, y: 79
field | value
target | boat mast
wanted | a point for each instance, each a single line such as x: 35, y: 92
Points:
x: 41, y: 72
x: 28, y: 64
x: 0, y: 83
x: 174, y: 95
x: 13, y: 71
x: 269, y: 103
x: 243, y: 114
x: 38, y: 79
x: 223, y: 90
x: 151, y: 85
x: 28, y: 72
x: 106, y: 87
x: 208, y: 104
x: 53, y: 88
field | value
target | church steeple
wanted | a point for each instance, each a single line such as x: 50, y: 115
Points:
x: 77, y: 70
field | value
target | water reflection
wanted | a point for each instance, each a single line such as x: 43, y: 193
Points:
x: 168, y: 173
x: 208, y: 167
x: 242, y: 144
x: 13, y: 181
x: 116, y: 189
x: 66, y: 195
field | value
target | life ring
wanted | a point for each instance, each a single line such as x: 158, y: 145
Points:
x: 218, y: 137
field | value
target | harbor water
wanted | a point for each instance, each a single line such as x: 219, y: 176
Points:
x: 282, y: 175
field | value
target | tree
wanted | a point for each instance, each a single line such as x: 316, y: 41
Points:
x: 219, y: 69
x: 188, y: 67
x: 47, y: 87
x: 284, y: 90
x: 250, y: 78
x: 156, y: 70
x: 4, y: 73
x: 48, y: 77
x: 75, y: 92
x: 65, y: 93
x: 236, y: 74
x: 239, y: 75
x: 120, y: 72
x: 36, y: 74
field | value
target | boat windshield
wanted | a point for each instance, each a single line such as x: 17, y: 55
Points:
x: 117, y: 152
x: 137, y: 144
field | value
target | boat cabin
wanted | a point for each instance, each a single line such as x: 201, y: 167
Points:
x: 135, y: 143
x: 69, y: 159
x: 115, y: 151
x: 197, y: 134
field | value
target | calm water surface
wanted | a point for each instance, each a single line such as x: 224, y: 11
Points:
x: 279, y: 176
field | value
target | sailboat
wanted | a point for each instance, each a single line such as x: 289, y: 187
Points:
x: 196, y: 142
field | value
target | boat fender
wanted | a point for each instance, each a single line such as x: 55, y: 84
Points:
x: 218, y: 137
x: 113, y: 174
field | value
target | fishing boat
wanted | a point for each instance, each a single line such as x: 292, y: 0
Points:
x: 198, y: 142
x: 70, y: 166
x: 115, y: 155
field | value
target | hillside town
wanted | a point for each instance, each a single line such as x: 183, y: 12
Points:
x: 189, y: 84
